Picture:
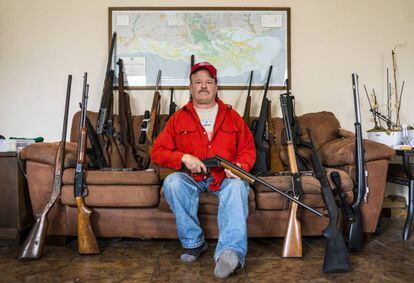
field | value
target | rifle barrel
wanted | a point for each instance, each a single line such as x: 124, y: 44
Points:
x: 252, y: 179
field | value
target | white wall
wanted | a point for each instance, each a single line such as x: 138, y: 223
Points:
x: 43, y: 41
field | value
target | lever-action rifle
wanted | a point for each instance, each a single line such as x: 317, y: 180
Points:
x: 87, y: 243
x: 35, y: 241
x: 259, y: 133
x: 336, y: 254
x: 356, y: 233
x: 292, y: 244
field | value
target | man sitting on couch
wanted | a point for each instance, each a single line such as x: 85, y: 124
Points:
x: 206, y: 126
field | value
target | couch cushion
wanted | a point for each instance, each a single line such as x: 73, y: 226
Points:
x: 208, y: 203
x: 267, y: 199
x: 115, y: 195
x: 98, y: 177
x: 324, y: 128
x: 341, y: 151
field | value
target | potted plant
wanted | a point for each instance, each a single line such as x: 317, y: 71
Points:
x: 387, y: 128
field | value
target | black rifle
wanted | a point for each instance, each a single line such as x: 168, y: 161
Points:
x: 107, y: 91
x: 336, y: 254
x: 259, y: 131
x: 173, y: 105
x: 356, y: 232
x: 87, y: 243
x: 246, y: 114
x: 341, y: 198
x: 104, y: 124
x: 35, y: 241
x: 95, y: 153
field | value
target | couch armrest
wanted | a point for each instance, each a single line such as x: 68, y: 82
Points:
x: 345, y: 133
x: 45, y: 152
x: 340, y: 152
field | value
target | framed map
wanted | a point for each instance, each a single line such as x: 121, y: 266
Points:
x: 235, y: 40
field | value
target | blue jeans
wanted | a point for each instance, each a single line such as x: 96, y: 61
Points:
x: 182, y: 194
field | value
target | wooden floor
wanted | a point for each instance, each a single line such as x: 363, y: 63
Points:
x: 386, y: 258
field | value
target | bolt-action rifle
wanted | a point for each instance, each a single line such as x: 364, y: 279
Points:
x: 246, y: 114
x: 104, y: 124
x: 173, y: 105
x: 35, y: 241
x: 126, y: 133
x: 87, y: 243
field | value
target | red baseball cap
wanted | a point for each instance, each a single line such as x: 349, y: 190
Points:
x: 205, y: 66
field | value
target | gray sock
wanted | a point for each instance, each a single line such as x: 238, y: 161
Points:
x: 192, y: 254
x: 226, y: 264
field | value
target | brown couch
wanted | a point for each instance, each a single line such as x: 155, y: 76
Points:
x: 131, y: 204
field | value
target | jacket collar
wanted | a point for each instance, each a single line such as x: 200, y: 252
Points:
x: 222, y: 111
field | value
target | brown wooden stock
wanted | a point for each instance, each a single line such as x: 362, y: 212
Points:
x: 292, y: 244
x: 237, y: 173
x: 275, y: 162
x: 86, y: 238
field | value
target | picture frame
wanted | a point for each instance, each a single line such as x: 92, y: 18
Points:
x: 235, y: 40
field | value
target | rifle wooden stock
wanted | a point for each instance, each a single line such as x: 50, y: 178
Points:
x: 292, y: 244
x: 34, y: 243
x: 86, y: 238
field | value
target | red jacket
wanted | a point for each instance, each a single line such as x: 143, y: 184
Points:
x: 184, y: 133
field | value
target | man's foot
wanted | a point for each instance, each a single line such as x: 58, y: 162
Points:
x: 226, y: 264
x: 192, y: 254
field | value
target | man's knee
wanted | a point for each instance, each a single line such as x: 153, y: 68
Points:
x: 236, y: 186
x: 177, y: 182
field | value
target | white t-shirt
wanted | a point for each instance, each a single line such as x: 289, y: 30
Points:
x: 207, y: 119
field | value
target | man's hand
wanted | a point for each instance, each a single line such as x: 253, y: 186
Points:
x: 230, y: 175
x: 193, y: 164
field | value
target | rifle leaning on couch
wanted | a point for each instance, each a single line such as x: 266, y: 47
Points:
x: 259, y: 132
x: 336, y: 253
x: 292, y: 244
x: 87, y: 243
x: 149, y: 127
x: 356, y: 233
x: 126, y: 134
x: 35, y: 241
